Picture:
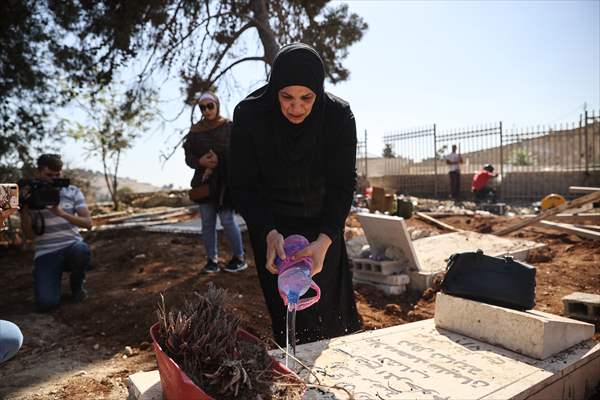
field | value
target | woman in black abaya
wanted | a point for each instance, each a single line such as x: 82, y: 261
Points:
x: 293, y: 152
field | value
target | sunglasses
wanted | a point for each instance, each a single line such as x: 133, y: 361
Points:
x: 209, y: 106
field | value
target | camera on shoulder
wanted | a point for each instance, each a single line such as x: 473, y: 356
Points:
x: 38, y: 194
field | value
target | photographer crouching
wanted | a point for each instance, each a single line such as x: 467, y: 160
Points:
x: 51, y: 212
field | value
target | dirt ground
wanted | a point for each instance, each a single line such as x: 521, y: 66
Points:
x: 78, y: 351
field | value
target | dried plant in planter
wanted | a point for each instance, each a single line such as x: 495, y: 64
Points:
x: 202, y: 339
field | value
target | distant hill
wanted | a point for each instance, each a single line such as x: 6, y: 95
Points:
x: 93, y: 185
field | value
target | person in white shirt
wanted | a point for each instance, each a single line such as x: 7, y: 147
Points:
x: 453, y: 160
x: 58, y: 245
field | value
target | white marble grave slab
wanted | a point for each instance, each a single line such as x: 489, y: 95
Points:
x: 433, y: 252
x: 384, y: 232
x: 419, y: 361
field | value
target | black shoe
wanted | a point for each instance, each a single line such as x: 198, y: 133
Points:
x: 236, y: 265
x: 80, y: 296
x: 211, y: 267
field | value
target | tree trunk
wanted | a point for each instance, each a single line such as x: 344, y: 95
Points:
x: 265, y: 32
x: 115, y: 193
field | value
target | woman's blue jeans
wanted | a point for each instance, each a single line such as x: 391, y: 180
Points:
x: 208, y: 212
x: 11, y: 340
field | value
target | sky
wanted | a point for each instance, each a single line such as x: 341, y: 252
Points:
x: 456, y: 64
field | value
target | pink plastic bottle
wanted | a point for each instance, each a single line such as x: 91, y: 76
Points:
x: 294, y: 278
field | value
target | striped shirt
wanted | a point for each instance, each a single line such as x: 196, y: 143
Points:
x: 59, y: 232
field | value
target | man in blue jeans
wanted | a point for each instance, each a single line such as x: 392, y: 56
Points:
x: 58, y: 245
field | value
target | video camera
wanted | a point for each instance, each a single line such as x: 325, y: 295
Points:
x: 41, y: 193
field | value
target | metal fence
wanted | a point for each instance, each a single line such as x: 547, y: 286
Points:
x: 531, y: 161
x: 362, y: 156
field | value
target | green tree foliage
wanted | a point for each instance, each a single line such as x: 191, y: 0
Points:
x: 27, y: 72
x: 441, y: 152
x: 388, y: 152
x: 201, y: 41
x: 522, y: 157
x: 112, y: 125
x: 51, y: 49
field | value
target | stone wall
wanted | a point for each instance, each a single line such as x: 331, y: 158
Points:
x: 527, y: 186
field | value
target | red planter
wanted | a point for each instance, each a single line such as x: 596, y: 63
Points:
x: 176, y: 385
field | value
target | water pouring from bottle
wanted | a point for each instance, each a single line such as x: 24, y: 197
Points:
x: 293, y: 282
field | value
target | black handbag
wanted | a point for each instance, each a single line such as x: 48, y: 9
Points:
x: 499, y: 281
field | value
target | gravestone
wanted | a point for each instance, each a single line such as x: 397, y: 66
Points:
x: 384, y: 232
x: 419, y: 361
x: 533, y: 333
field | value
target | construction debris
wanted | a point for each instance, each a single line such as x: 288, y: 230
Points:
x: 434, y: 221
x: 191, y: 226
x: 155, y: 216
x: 584, y: 306
x: 583, y: 189
x: 585, y: 233
x: 578, y: 202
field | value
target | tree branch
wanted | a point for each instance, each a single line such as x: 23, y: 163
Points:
x: 229, y: 45
x: 166, y: 156
x: 189, y: 33
x: 159, y: 36
x: 241, y: 60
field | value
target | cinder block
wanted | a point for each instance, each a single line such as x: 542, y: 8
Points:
x: 144, y: 386
x: 532, y: 333
x: 582, y: 306
x: 387, y: 289
x: 396, y: 279
x: 420, y: 281
x: 380, y: 267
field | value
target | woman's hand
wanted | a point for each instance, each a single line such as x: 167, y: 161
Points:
x: 209, y: 160
x: 317, y: 251
x: 274, y: 248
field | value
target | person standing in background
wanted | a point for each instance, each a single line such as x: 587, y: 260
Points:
x: 206, y: 147
x: 453, y: 160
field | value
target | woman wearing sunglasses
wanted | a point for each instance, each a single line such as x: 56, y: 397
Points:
x: 206, y: 147
x: 293, y: 152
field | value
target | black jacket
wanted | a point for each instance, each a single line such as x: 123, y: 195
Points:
x: 199, y: 143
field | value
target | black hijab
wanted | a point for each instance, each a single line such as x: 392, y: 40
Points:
x: 295, y: 64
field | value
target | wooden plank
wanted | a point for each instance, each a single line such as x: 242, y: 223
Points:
x: 152, y: 212
x: 578, y: 202
x: 437, y: 222
x: 570, y: 218
x: 593, y: 227
x: 585, y: 233
x: 583, y: 189
x: 137, y: 224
